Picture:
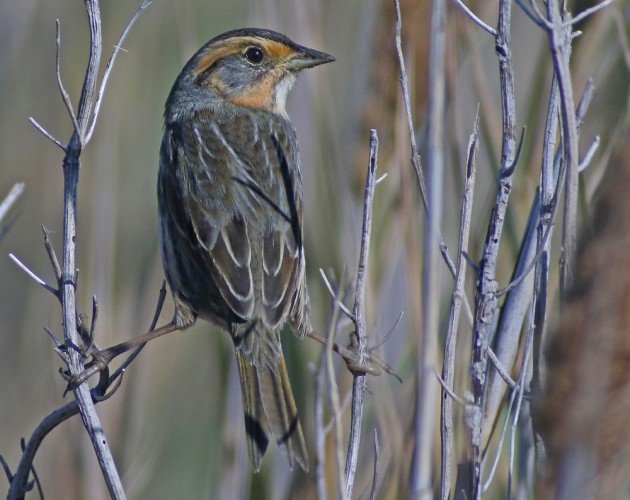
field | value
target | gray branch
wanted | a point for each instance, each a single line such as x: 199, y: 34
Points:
x: 560, y: 44
x: 19, y: 481
x: 333, y: 392
x: 67, y: 284
x: 486, y: 305
x: 415, y: 157
x: 359, y: 382
x: 421, y: 480
x: 450, y: 342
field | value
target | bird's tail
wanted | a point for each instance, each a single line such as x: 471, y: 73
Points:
x: 269, y: 407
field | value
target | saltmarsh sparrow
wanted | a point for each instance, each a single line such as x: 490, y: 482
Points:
x: 230, y: 216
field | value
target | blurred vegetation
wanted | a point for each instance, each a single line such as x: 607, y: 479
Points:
x: 176, y: 424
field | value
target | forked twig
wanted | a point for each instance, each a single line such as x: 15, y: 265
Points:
x: 64, y: 94
x: 110, y: 65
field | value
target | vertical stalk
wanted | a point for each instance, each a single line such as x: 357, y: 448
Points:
x: 71, y: 165
x: 560, y: 42
x: 359, y: 383
x: 486, y: 304
x: 450, y: 342
x: 424, y: 425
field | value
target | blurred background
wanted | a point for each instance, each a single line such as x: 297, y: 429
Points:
x: 176, y: 426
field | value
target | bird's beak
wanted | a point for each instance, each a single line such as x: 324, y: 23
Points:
x: 304, y: 58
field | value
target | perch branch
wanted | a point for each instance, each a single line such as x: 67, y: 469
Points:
x: 359, y: 382
x: 19, y: 481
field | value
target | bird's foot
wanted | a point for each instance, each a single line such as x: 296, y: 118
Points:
x: 98, y: 364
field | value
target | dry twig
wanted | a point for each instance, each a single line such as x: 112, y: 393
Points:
x: 359, y: 383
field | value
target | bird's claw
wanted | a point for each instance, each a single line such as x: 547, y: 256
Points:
x: 98, y: 364
x: 357, y: 367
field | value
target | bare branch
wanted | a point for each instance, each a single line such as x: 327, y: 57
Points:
x: 421, y: 475
x: 520, y: 390
x: 589, y: 155
x: 415, y: 157
x: 587, y: 12
x: 485, y: 299
x: 450, y: 342
x: 448, y: 390
x: 560, y: 47
x: 475, y: 19
x: 542, y: 246
x: 536, y: 19
x: 46, y: 134
x: 7, y: 470
x: 359, y: 383
x: 53, y: 337
x: 501, y: 369
x: 333, y: 395
x: 52, y: 255
x: 387, y: 336
x: 110, y: 65
x: 64, y: 94
x: 35, y: 278
x: 19, y: 483
x: 330, y: 289
x: 320, y: 434
x: 375, y: 474
x: 156, y: 316
x: 113, y: 390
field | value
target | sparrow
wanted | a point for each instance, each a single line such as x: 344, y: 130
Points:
x: 230, y: 216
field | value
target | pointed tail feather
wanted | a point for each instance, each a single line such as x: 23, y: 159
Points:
x: 256, y: 427
x: 268, y: 405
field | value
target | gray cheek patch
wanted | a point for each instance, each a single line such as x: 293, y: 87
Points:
x: 237, y: 74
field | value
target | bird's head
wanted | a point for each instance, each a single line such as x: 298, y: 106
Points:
x: 250, y: 67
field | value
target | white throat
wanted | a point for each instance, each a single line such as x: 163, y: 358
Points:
x: 281, y: 92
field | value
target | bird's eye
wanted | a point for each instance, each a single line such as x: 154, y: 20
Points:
x: 254, y: 55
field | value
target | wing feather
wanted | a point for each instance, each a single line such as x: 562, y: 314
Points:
x: 243, y: 209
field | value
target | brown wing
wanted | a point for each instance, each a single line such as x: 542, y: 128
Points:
x: 242, y: 207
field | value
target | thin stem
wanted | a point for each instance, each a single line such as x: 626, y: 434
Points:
x: 64, y: 95
x: 46, y: 134
x: 35, y: 278
x: 560, y: 44
x: 450, y: 342
x: 486, y: 304
x: 359, y: 382
x: 333, y: 395
x: 320, y: 434
x: 475, y: 19
x: 421, y: 480
x: 110, y: 65
x: 415, y: 157
x: 587, y: 12
x: 375, y: 474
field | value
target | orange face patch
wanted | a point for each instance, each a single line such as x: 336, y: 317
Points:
x: 259, y: 95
